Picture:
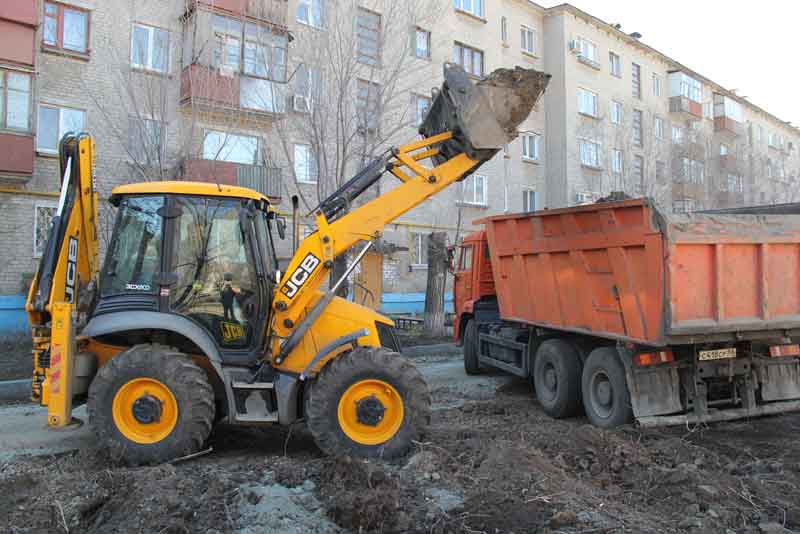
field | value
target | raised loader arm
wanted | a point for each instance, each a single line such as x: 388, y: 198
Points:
x: 63, y: 287
x: 467, y: 125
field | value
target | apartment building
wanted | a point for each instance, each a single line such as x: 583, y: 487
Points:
x: 239, y: 91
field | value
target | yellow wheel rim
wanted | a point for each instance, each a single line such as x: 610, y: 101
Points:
x: 370, y: 412
x: 145, y: 410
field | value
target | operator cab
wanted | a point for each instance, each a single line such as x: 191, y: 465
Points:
x: 198, y: 250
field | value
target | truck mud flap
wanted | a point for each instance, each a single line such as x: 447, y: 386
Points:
x: 719, y: 415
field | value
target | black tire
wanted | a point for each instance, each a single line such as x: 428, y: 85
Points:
x: 470, y: 348
x: 184, y: 379
x: 557, y: 378
x: 606, y: 398
x: 367, y: 364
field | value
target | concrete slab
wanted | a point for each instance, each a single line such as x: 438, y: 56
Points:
x: 24, y: 431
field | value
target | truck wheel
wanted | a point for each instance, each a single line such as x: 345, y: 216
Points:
x: 151, y: 404
x: 370, y: 402
x: 557, y: 378
x: 471, y: 365
x: 605, y: 390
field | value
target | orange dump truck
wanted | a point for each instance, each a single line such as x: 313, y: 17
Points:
x: 624, y: 312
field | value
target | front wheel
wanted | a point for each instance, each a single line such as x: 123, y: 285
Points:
x: 150, y: 404
x: 370, y: 402
x: 606, y: 398
x: 471, y: 364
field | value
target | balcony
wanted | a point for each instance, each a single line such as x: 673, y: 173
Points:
x: 728, y: 116
x: 685, y: 108
x: 272, y: 11
x: 220, y: 90
x: 265, y: 180
x: 16, y: 158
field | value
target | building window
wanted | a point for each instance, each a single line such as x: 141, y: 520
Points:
x: 422, y: 104
x: 692, y: 171
x: 614, y: 65
x: 305, y: 164
x: 636, y: 80
x: 678, y: 134
x: 760, y: 134
x: 587, y: 49
x: 616, y: 112
x: 590, y: 153
x: 723, y: 149
x: 531, y: 146
x: 658, y: 126
x: 656, y: 85
x: 309, y: 12
x: 368, y: 35
x: 223, y: 146
x: 735, y: 184
x: 422, y: 40
x: 263, y: 53
x: 42, y: 220
x: 473, y: 7
x: 418, y: 249
x: 616, y: 161
x: 367, y: 104
x: 150, y: 48
x: 145, y: 145
x: 65, y: 27
x: 54, y: 122
x: 474, y: 190
x: 504, y: 30
x: 307, y: 87
x: 15, y: 101
x: 637, y: 127
x: 529, y: 200
x: 660, y: 172
x: 528, y: 39
x: 587, y: 102
x: 470, y: 59
x: 638, y: 174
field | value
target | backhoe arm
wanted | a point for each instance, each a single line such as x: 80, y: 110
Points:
x: 467, y: 125
x: 63, y: 286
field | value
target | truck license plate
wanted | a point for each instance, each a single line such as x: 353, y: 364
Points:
x: 717, y: 354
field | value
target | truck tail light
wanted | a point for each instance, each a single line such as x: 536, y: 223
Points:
x: 777, y: 351
x: 644, y: 359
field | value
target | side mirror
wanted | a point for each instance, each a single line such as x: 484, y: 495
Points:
x: 451, y: 255
x: 280, y: 224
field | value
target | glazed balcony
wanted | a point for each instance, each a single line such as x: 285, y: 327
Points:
x: 272, y: 11
x: 218, y: 89
x: 729, y: 162
x: 728, y: 116
x: 685, y: 96
x: 684, y: 108
x: 16, y: 158
x: 265, y: 180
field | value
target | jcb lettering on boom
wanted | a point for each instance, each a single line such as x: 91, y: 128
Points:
x: 72, y: 269
x: 300, y: 275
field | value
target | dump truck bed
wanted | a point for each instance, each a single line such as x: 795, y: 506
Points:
x: 626, y: 271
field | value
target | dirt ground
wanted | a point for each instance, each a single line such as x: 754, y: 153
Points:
x: 492, y: 463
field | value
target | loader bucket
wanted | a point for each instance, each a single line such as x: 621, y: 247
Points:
x: 483, y: 116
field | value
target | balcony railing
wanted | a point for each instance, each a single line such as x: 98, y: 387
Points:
x: 685, y: 107
x: 728, y: 126
x: 729, y: 162
x: 265, y: 180
x: 16, y: 157
x: 216, y: 88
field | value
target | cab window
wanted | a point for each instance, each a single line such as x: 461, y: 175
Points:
x: 465, y: 264
x: 134, y: 255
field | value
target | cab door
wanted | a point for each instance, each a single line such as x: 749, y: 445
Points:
x: 462, y: 278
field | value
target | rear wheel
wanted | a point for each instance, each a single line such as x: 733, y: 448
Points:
x: 151, y: 404
x: 471, y: 365
x: 606, y: 398
x: 557, y: 378
x: 369, y: 402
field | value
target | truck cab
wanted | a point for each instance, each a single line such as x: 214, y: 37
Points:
x: 473, y: 282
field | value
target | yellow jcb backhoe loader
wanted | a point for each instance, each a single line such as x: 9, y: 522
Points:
x: 189, y: 321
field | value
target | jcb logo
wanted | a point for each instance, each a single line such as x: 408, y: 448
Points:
x: 300, y: 275
x: 72, y: 269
